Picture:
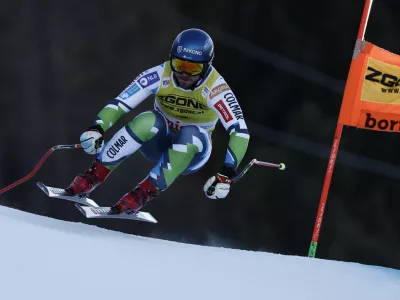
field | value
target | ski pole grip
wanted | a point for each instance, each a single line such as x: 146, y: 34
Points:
x: 211, y: 189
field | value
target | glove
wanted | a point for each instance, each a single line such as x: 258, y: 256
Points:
x: 92, y: 140
x: 217, y: 187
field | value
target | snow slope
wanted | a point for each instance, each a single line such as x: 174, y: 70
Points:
x: 43, y: 258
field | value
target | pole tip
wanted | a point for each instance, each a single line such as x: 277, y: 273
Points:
x: 282, y: 166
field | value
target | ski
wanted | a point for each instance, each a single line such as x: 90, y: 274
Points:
x: 90, y: 209
x: 105, y: 213
x: 54, y: 192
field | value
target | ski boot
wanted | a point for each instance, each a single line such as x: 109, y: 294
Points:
x: 87, y: 181
x: 134, y: 200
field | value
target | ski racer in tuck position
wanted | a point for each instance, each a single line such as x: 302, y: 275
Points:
x: 190, y: 98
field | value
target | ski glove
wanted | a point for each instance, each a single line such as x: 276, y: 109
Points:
x: 217, y: 187
x: 92, y: 140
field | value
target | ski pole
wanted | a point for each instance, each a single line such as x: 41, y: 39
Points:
x: 280, y: 166
x: 30, y: 175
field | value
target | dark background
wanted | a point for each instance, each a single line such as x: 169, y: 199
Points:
x: 287, y: 62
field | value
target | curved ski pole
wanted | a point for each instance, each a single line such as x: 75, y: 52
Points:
x: 30, y: 175
x: 280, y: 166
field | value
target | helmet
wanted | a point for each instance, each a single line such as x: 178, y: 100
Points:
x: 193, y: 45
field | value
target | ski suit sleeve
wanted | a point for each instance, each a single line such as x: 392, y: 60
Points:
x: 143, y: 86
x: 224, y: 102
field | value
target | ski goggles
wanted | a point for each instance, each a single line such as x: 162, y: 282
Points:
x: 188, y: 67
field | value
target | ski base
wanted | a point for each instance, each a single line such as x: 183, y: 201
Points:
x: 106, y: 213
x: 54, y: 192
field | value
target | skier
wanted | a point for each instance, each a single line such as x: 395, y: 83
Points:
x: 190, y: 98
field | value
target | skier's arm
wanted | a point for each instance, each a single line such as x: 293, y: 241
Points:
x: 143, y: 86
x: 224, y: 102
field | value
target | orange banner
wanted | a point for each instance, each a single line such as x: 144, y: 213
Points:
x: 372, y: 95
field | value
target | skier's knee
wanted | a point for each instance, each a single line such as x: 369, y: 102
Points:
x: 147, y: 125
x: 192, y: 134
